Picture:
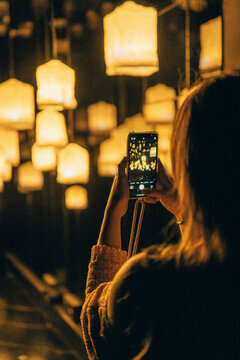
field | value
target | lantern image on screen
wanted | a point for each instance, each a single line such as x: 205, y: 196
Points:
x: 44, y: 158
x: 17, y: 109
x: 102, y: 118
x: 159, y: 104
x: 51, y: 128
x: 76, y: 198
x: 73, y: 165
x: 29, y: 178
x: 55, y: 86
x: 130, y: 40
x: 9, y: 142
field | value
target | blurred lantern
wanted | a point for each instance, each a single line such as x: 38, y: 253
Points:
x: 44, y: 157
x: 29, y: 178
x: 2, y: 162
x: 130, y: 40
x: 164, y: 137
x: 76, y: 198
x: 56, y: 86
x: 194, y: 5
x: 160, y: 104
x: 17, y: 109
x: 102, y: 117
x: 1, y: 185
x: 51, y: 128
x: 7, y: 172
x: 184, y: 94
x: 137, y: 123
x: 165, y: 158
x: 111, y: 152
x: 73, y: 165
x: 9, y: 141
x: 211, y: 45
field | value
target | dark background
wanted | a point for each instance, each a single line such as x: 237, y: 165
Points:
x: 37, y: 226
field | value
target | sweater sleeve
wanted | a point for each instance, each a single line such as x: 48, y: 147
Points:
x: 104, y: 264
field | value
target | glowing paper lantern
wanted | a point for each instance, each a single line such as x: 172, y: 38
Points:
x: 211, y: 45
x: 130, y: 40
x: 44, y: 157
x: 29, y: 178
x: 137, y: 123
x: 51, y: 128
x: 17, y: 109
x: 1, y: 185
x: 76, y: 198
x: 102, y: 117
x: 7, y: 172
x: 2, y: 162
x: 73, y: 165
x: 9, y: 142
x: 56, y: 86
x: 111, y: 152
x: 160, y: 104
x: 164, y: 137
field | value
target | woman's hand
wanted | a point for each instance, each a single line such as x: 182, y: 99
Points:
x: 164, y: 192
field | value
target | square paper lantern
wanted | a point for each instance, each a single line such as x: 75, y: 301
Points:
x: 44, y: 157
x: 7, y: 172
x: 29, y: 178
x: 159, y: 104
x: 102, y: 117
x: 76, y: 198
x: 56, y: 86
x: 111, y: 152
x: 130, y: 40
x: 73, y: 165
x: 9, y: 142
x: 17, y: 109
x: 211, y: 45
x: 51, y: 128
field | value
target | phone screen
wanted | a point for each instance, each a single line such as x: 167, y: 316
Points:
x: 142, y: 162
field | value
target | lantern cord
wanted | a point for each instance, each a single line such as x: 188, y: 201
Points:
x: 167, y: 9
x: 133, y: 244
x: 54, y: 35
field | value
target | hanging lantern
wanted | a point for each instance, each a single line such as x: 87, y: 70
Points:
x: 9, y: 141
x: 7, y: 172
x: 51, y: 128
x: 44, y: 157
x: 111, y: 152
x: 73, y: 165
x: 211, y: 45
x: 76, y: 198
x: 160, y: 104
x: 29, y: 178
x: 164, y: 137
x: 102, y: 117
x: 17, y: 109
x: 2, y: 162
x: 56, y: 86
x: 130, y: 40
x: 1, y: 185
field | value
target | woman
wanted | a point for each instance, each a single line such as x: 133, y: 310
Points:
x: 176, y: 301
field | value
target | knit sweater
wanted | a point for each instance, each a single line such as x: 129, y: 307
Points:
x: 104, y: 264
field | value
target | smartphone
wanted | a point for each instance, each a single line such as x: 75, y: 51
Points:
x: 142, y: 151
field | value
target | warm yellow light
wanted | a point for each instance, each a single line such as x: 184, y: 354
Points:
x: 159, y: 104
x: 76, y: 198
x: 102, y: 117
x: 2, y: 162
x: 211, y: 45
x: 17, y: 109
x: 7, y: 172
x: 73, y: 165
x: 111, y: 152
x: 130, y: 40
x: 56, y: 86
x: 9, y: 142
x: 44, y: 157
x: 164, y: 137
x: 51, y: 128
x: 1, y: 185
x: 29, y: 178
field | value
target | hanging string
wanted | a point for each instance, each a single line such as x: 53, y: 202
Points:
x: 11, y: 64
x: 54, y: 34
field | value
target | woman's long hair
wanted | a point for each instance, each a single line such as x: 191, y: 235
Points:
x: 205, y: 150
